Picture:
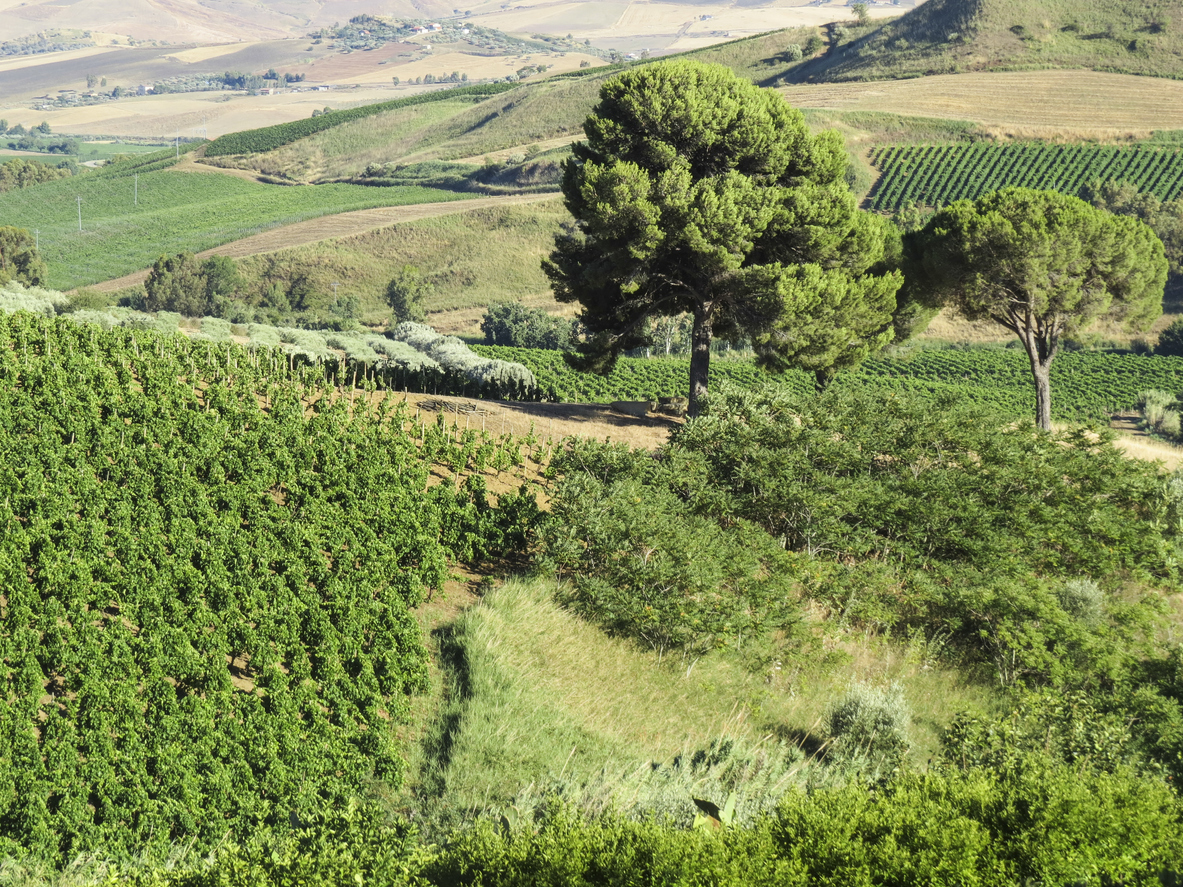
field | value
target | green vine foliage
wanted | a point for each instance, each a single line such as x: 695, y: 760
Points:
x: 205, y: 588
x: 889, y: 511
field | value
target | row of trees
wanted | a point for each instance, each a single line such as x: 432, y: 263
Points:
x: 454, y: 77
x: 699, y: 193
x: 22, y: 173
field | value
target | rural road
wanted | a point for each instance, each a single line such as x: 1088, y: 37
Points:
x: 331, y: 227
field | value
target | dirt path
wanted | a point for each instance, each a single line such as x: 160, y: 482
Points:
x: 550, y: 421
x: 1137, y: 444
x: 331, y: 227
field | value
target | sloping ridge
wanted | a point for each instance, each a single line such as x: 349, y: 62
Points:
x: 955, y: 36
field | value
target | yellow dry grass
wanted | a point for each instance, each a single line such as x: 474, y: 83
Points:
x: 542, y: 144
x: 1081, y: 102
x: 175, y: 21
x: 656, y: 26
x: 217, y: 112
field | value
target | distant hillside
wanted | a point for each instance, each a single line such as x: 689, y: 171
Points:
x: 954, y: 36
x: 200, y: 21
x: 435, y: 128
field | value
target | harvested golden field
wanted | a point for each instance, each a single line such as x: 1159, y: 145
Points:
x: 1022, y: 104
x: 171, y: 20
x: 666, y: 27
x: 443, y: 61
x: 217, y: 112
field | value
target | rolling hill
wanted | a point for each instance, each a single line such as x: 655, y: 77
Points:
x: 955, y: 36
x: 202, y: 21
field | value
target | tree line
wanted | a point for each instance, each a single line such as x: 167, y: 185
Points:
x: 698, y: 193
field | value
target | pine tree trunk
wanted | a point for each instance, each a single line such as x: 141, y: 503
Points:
x: 1041, y: 373
x: 700, y: 356
x: 1040, y: 350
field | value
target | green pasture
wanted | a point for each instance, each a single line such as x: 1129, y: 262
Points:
x: 107, y: 150
x: 125, y: 226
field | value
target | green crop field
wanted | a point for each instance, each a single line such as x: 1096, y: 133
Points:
x: 939, y: 174
x: 126, y: 226
x: 107, y: 150
x: 1086, y: 385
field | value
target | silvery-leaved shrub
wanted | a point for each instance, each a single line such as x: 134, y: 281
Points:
x: 1082, y: 599
x: 501, y: 378
x: 869, y: 729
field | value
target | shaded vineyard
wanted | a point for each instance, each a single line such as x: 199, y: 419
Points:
x: 1086, y: 385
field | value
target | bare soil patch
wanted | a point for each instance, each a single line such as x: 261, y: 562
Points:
x: 552, y: 421
x: 1137, y: 444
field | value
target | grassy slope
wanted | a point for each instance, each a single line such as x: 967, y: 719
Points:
x: 176, y: 211
x: 347, y: 149
x: 536, y: 695
x: 952, y: 36
x: 471, y: 259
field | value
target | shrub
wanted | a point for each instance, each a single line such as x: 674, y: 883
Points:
x: 515, y: 325
x: 1082, y: 599
x: 869, y: 727
x: 641, y: 564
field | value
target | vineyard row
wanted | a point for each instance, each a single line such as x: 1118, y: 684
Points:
x: 939, y: 174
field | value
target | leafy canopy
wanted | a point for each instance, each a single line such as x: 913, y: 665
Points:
x: 698, y: 192
x: 1043, y: 265
x: 406, y: 293
x: 19, y: 258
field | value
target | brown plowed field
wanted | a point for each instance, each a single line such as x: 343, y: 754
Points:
x: 332, y: 227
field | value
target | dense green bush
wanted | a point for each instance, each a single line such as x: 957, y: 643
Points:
x: 642, y: 564
x: 517, y: 326
x: 1037, y: 822
x: 1170, y: 340
x: 900, y: 511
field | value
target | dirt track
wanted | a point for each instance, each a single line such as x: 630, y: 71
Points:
x: 331, y: 227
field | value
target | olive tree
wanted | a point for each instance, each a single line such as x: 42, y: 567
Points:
x: 406, y: 293
x: 19, y: 258
x: 699, y: 193
x: 1041, y: 264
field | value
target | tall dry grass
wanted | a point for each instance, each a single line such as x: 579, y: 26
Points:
x: 537, y: 697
